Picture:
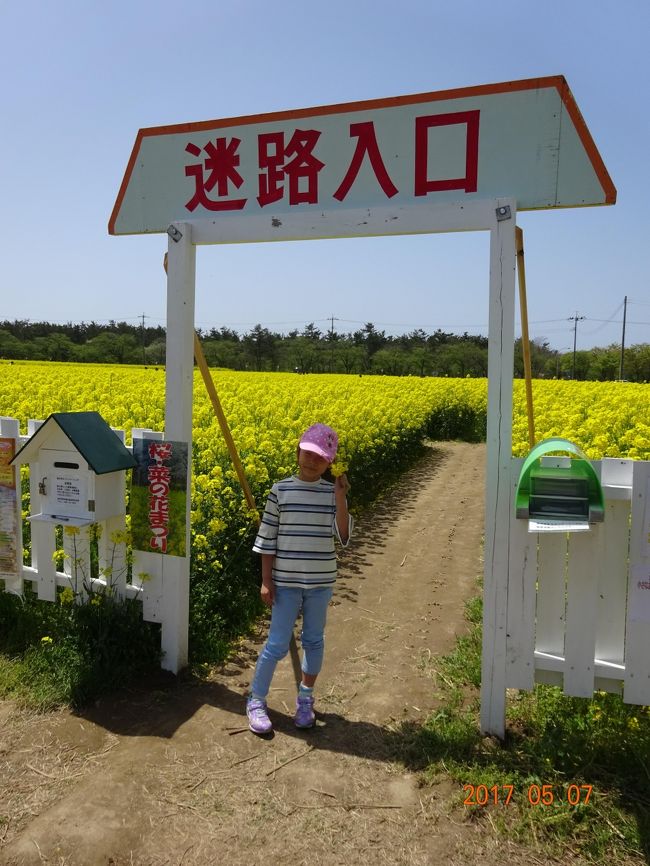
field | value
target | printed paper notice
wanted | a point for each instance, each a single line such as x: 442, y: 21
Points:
x: 69, y: 493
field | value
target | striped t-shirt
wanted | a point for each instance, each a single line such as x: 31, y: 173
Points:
x: 298, y: 528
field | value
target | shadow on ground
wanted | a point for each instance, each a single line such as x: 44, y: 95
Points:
x: 162, y: 703
x: 160, y: 711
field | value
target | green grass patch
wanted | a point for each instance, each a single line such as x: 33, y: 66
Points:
x: 593, y: 756
x: 62, y: 653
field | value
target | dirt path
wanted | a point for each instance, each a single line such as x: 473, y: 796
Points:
x: 168, y: 776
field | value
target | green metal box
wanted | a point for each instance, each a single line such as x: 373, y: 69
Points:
x: 569, y: 491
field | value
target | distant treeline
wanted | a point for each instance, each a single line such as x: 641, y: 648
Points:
x: 367, y: 351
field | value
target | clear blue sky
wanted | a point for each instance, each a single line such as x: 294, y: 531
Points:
x: 80, y: 79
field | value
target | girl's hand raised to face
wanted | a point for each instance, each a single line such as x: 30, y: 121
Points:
x: 341, y: 484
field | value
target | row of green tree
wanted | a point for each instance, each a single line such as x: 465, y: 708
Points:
x: 367, y: 351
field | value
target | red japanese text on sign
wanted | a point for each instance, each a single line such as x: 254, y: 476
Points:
x: 303, y: 167
x: 294, y: 164
x: 366, y: 144
x: 221, y: 165
x: 158, y: 477
x: 160, y: 451
x: 468, y: 183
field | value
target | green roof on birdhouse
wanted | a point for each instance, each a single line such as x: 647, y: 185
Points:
x: 100, y: 447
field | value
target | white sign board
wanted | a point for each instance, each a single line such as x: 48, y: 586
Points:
x: 524, y: 139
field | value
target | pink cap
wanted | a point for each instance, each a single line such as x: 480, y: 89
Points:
x: 320, y: 439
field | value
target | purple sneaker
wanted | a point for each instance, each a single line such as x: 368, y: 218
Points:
x: 258, y: 718
x: 305, y: 716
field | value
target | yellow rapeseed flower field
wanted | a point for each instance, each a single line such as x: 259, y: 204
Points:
x: 381, y: 420
x: 373, y: 414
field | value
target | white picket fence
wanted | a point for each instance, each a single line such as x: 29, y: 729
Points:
x: 42, y: 573
x: 571, y: 619
x: 574, y: 614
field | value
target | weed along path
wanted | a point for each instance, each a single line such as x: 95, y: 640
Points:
x: 169, y: 774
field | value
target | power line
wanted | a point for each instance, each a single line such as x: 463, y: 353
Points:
x: 639, y: 303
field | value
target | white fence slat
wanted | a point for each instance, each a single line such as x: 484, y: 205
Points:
x: 76, y: 563
x: 616, y: 473
x: 551, y: 589
x: 522, y: 570
x: 9, y: 427
x: 112, y: 555
x: 580, y: 641
x: 637, y: 638
x: 612, y: 582
x: 43, y: 547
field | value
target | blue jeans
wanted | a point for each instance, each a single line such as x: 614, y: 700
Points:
x: 284, y: 613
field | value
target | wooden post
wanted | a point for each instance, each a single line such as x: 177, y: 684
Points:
x: 499, y: 454
x: 179, y: 380
x: 223, y: 423
x: 525, y: 341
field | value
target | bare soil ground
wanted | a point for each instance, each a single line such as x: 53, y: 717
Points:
x: 169, y: 774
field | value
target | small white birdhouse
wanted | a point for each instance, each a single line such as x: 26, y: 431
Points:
x: 80, y: 464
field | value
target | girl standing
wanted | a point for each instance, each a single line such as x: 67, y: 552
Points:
x: 303, y: 516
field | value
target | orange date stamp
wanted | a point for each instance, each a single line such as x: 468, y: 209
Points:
x: 535, y: 795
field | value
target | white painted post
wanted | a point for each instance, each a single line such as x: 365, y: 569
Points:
x: 499, y: 454
x: 179, y: 379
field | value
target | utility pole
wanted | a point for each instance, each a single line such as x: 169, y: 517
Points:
x: 333, y: 318
x: 623, y: 340
x: 575, y: 319
x: 144, y: 357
